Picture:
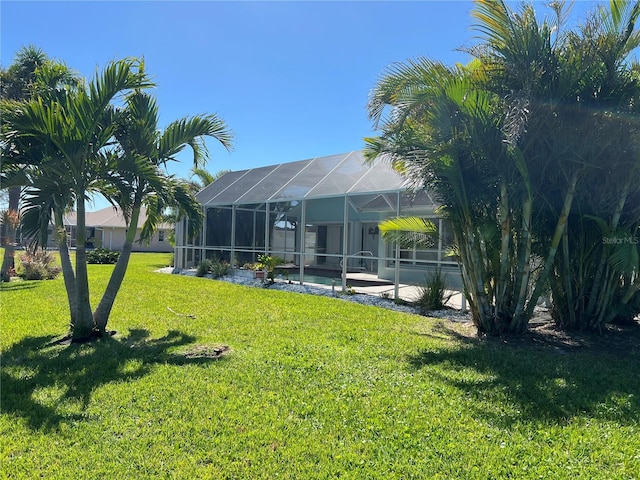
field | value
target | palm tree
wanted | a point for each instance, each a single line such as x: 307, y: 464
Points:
x: 573, y: 86
x: 584, y: 88
x: 445, y: 131
x: 139, y: 179
x: 505, y: 137
x: 605, y: 286
x: 16, y: 83
x: 38, y: 77
x: 72, y: 130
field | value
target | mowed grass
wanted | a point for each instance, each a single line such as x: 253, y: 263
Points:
x: 312, y: 388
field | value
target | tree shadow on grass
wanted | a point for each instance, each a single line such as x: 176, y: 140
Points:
x: 20, y: 285
x: 40, y: 377
x: 159, y: 265
x: 511, y: 380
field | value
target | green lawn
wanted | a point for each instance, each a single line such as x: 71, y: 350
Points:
x: 313, y: 387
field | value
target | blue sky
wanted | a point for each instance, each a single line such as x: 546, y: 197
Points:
x: 291, y: 79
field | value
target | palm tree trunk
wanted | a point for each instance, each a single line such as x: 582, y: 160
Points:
x: 467, y: 281
x: 84, y: 323
x: 597, y: 281
x: 628, y: 295
x: 8, y: 261
x: 524, y: 265
x: 568, y: 286
x: 605, y: 300
x: 101, y: 315
x: 477, y: 274
x: 505, y: 234
x: 67, y: 268
x: 561, y: 224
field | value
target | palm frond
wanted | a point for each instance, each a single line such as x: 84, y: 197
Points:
x: 409, y: 232
x: 187, y: 207
x: 192, y: 131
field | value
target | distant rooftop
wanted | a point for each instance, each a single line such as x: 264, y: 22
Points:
x: 332, y: 176
x: 109, y: 217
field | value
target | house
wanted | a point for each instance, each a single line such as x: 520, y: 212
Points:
x: 321, y: 216
x: 107, y: 228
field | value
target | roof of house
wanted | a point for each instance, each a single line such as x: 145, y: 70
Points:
x: 110, y: 217
x: 335, y: 175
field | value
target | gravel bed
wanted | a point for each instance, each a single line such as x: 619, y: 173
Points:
x: 364, y: 299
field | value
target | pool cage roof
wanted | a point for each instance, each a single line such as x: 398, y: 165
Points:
x: 332, y: 176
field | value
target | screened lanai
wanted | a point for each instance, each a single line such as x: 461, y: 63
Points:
x: 320, y: 216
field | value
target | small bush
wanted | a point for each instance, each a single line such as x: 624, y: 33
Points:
x: 433, y: 295
x: 38, y: 265
x: 268, y: 263
x: 214, y: 266
x: 102, y: 256
x: 348, y: 290
x: 203, y: 268
x: 219, y: 268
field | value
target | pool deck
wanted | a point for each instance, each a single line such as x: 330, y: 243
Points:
x: 409, y: 293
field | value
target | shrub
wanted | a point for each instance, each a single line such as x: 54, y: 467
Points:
x: 219, y: 268
x: 102, y: 255
x: 214, y: 266
x: 268, y: 263
x: 433, y: 294
x: 203, y: 268
x: 348, y: 290
x: 38, y: 265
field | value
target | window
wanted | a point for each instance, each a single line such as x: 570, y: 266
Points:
x: 161, y: 235
x: 218, y: 228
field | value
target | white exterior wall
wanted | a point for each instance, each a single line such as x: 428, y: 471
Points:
x: 113, y: 238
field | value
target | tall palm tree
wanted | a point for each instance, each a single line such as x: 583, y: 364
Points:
x: 38, y: 77
x: 72, y: 130
x: 575, y: 86
x: 138, y: 176
x: 17, y: 84
x: 445, y: 131
x: 505, y: 145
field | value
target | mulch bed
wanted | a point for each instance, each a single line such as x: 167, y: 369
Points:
x: 613, y: 340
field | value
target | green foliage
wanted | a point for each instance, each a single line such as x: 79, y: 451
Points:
x: 63, y: 141
x: 213, y: 266
x: 66, y: 144
x: 203, y: 268
x: 219, y: 268
x: 434, y: 293
x: 269, y: 263
x: 314, y: 387
x: 513, y: 147
x: 348, y: 290
x: 409, y: 232
x: 103, y: 255
x: 38, y: 264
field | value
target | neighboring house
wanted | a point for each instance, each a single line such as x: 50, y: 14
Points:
x: 321, y: 216
x: 107, y: 228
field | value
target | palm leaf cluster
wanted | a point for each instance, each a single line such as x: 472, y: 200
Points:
x: 532, y: 151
